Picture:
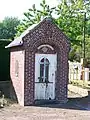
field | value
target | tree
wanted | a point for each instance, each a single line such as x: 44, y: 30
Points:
x: 34, y: 16
x: 69, y: 19
x: 8, y: 28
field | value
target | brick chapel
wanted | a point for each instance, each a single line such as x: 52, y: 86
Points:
x: 39, y: 64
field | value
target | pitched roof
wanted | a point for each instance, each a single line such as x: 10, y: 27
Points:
x: 18, y: 41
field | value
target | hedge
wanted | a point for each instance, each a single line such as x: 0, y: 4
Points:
x: 4, y: 61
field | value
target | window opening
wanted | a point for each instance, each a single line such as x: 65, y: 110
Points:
x: 44, y: 70
x: 16, y: 68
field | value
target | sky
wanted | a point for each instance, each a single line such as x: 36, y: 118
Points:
x: 16, y: 8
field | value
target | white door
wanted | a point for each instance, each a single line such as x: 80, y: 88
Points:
x: 45, y: 69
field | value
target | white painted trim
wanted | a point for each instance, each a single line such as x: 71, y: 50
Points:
x: 46, y: 45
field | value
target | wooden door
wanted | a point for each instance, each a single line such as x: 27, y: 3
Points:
x: 45, y: 69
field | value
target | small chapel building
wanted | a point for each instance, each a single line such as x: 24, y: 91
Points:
x: 39, y: 64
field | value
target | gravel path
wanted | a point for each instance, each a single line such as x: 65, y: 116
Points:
x: 69, y: 111
x: 17, y: 112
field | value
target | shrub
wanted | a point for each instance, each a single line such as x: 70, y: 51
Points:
x: 3, y: 101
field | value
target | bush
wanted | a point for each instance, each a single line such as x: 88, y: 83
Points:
x: 3, y: 101
x: 4, y: 60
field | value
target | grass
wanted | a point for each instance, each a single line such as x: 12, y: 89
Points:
x: 80, y: 83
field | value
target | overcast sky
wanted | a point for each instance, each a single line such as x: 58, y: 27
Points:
x: 17, y: 7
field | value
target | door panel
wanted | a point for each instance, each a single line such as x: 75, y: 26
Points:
x: 49, y: 91
x: 45, y: 89
x: 40, y: 91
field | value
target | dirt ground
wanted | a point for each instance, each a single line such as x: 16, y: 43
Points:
x: 70, y: 111
x: 17, y: 112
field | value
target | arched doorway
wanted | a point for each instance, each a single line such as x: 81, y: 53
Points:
x: 45, y: 69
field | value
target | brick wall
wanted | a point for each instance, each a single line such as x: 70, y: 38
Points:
x: 46, y: 33
x: 17, y: 80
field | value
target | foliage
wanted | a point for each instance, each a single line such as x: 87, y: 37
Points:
x: 70, y: 19
x: 75, y: 53
x: 34, y: 16
x: 4, y: 60
x: 3, y: 101
x: 8, y: 28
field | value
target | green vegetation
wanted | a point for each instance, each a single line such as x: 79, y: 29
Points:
x: 8, y: 28
x: 4, y: 60
x: 69, y: 15
x: 70, y: 19
x: 5, y: 101
x: 80, y: 83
